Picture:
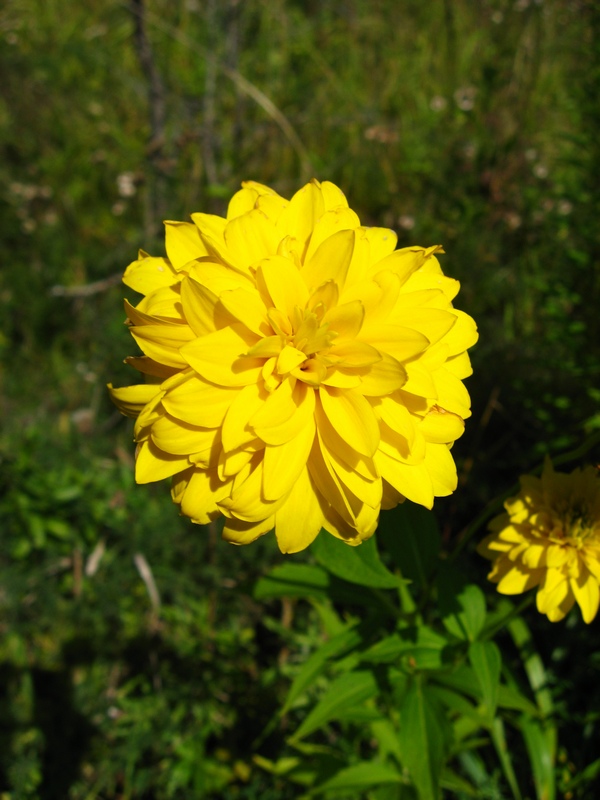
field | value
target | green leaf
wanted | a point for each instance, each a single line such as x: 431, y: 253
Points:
x: 499, y: 740
x: 541, y: 757
x: 292, y: 580
x: 304, y: 580
x: 386, y: 737
x: 349, y: 689
x: 359, y: 777
x: 315, y: 664
x: 453, y: 782
x: 358, y: 564
x: 420, y: 646
x: 422, y: 739
x: 461, y: 605
x: 534, y: 666
x: 410, y: 534
x: 486, y: 661
x: 464, y: 680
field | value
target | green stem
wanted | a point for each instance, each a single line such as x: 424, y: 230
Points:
x: 515, y: 612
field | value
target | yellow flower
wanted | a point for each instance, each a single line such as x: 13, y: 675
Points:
x: 301, y: 373
x: 550, y: 538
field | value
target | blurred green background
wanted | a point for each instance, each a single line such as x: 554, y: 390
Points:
x: 133, y: 661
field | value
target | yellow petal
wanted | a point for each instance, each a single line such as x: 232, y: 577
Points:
x: 397, y: 341
x: 130, y: 400
x: 451, y: 393
x: 352, y: 417
x: 199, y: 307
x: 441, y: 426
x: 231, y: 463
x: 411, y: 480
x: 198, y: 402
x: 219, y: 278
x: 164, y: 303
x: 462, y: 335
x: 346, y: 504
x: 150, y: 367
x: 330, y: 261
x: 431, y: 322
x: 519, y: 579
x: 305, y: 208
x: 183, y: 243
x: 400, y: 447
x: 289, y: 358
x: 180, y: 438
x: 148, y: 274
x: 138, y: 316
x: 299, y: 519
x: 238, y: 532
x: 346, y: 320
x: 236, y: 431
x: 247, y: 501
x: 218, y: 357
x: 333, y: 221
x: 460, y: 366
x: 153, y: 464
x: 382, y: 242
x: 441, y: 468
x: 284, y: 463
x: 333, y: 197
x: 250, y: 238
x: 204, y: 490
x: 402, y: 262
x: 334, y: 443
x: 383, y: 378
x: 341, y: 379
x: 246, y: 306
x: 283, y: 283
x: 420, y: 281
x: 368, y: 490
x: 278, y: 422
x: 395, y: 414
x: 353, y: 354
x: 163, y: 342
x: 587, y: 594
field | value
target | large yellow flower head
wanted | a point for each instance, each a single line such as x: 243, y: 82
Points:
x: 301, y: 372
x: 550, y: 537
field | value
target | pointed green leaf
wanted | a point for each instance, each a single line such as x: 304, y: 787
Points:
x: 410, y: 534
x: 359, y: 778
x: 315, y: 664
x: 486, y: 662
x: 419, y: 646
x: 541, y: 757
x: 422, y: 738
x: 499, y: 740
x: 463, y: 679
x: 461, y: 604
x: 349, y: 689
x: 453, y: 782
x: 304, y: 580
x: 359, y: 564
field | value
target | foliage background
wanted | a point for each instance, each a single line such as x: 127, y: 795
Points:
x: 134, y: 662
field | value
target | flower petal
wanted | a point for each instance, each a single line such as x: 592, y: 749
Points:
x: 283, y: 463
x: 219, y: 356
x: 330, y: 261
x: 299, y: 520
x: 183, y: 243
x: 153, y: 464
x: 352, y: 417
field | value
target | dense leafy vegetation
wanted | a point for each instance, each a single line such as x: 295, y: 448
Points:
x: 141, y: 657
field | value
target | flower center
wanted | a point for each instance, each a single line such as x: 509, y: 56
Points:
x: 304, y: 341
